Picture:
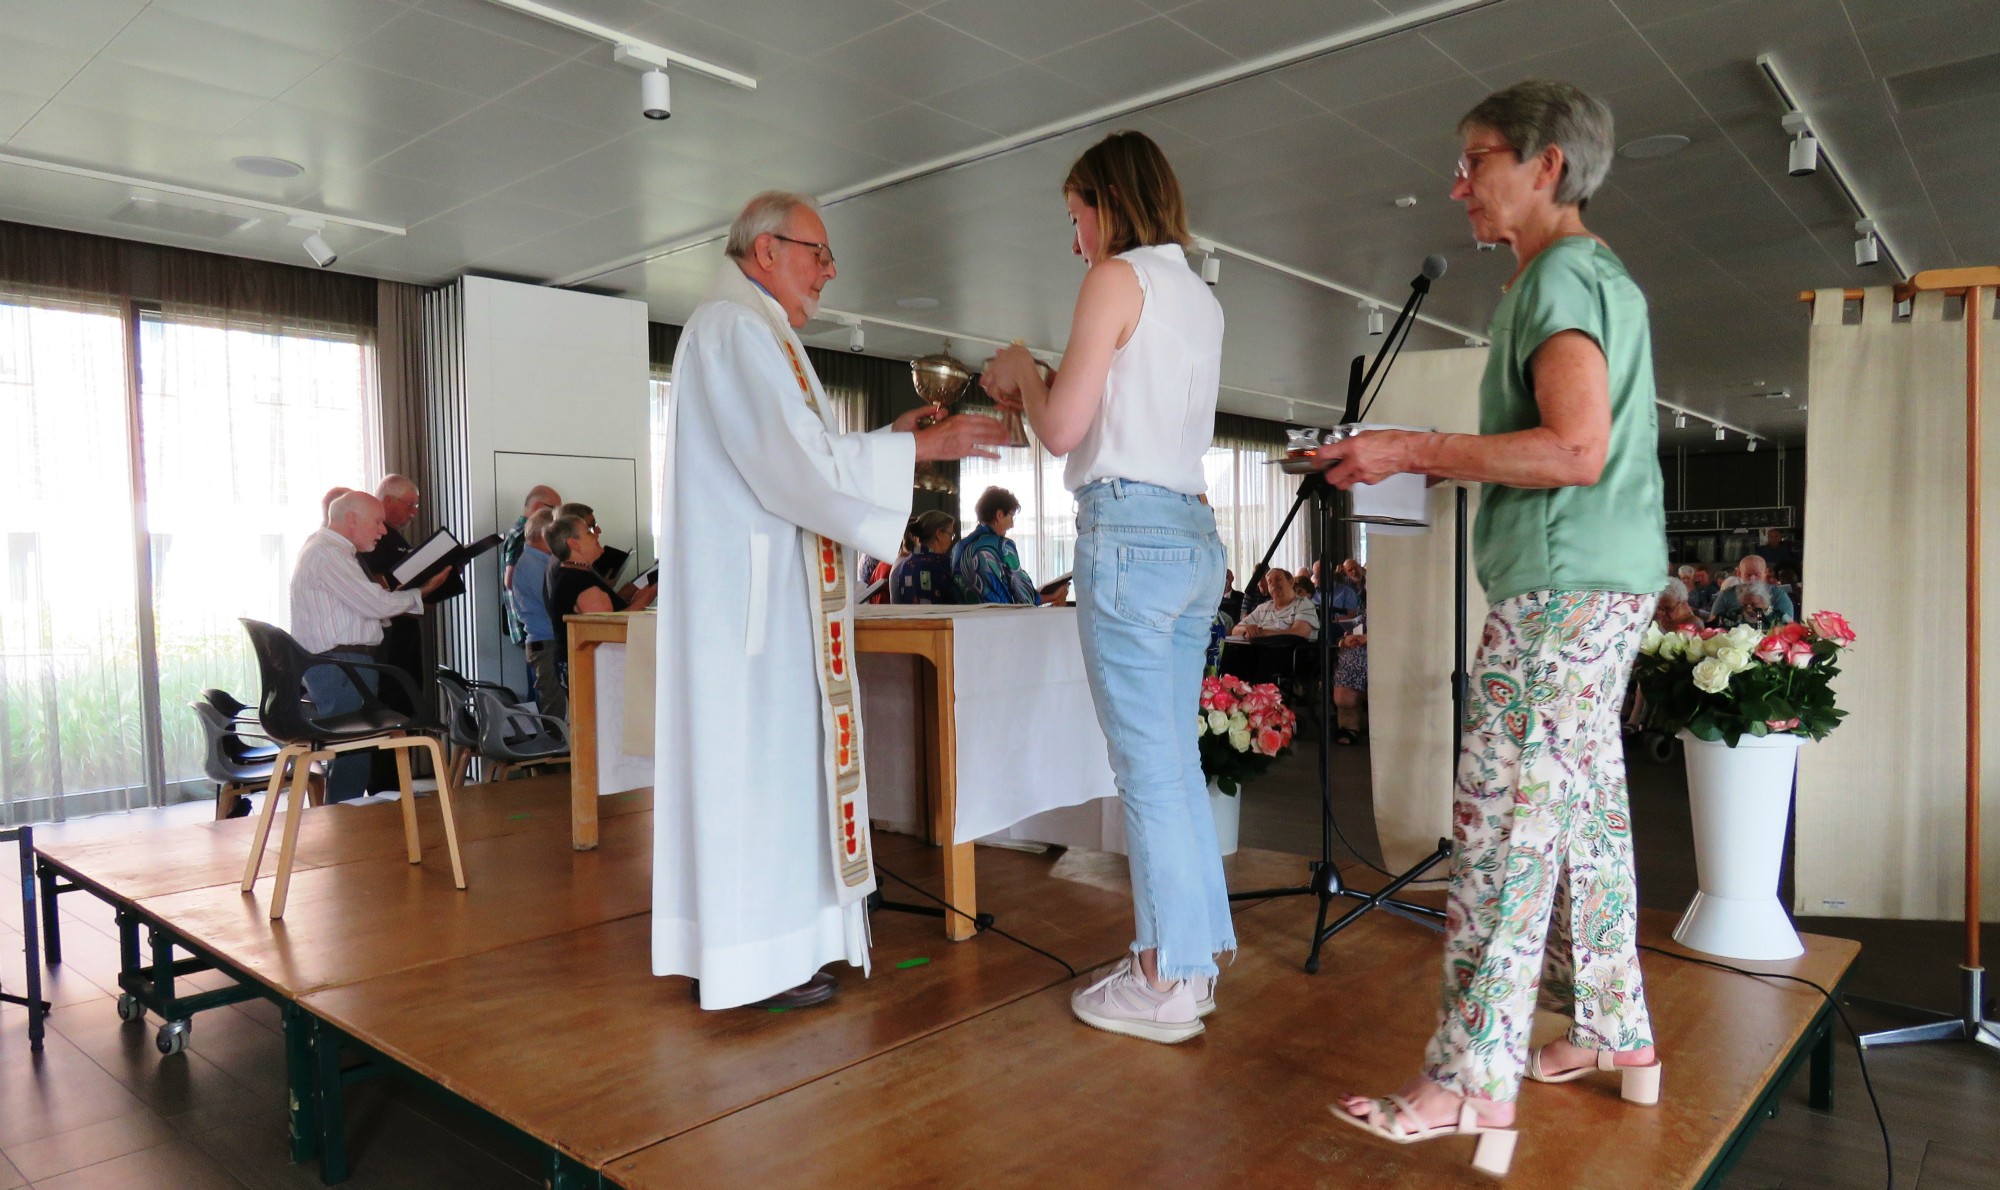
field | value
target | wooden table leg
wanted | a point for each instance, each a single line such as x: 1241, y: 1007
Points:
x: 583, y: 744
x: 959, y: 886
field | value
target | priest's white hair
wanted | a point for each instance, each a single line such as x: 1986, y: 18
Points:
x: 764, y: 215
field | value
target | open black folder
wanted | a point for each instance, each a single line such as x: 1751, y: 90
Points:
x: 440, y: 551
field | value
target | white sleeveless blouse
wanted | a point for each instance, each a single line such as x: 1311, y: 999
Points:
x: 1157, y: 418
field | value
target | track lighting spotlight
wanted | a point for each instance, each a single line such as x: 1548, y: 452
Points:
x: 1867, y: 249
x: 1804, y: 158
x: 856, y: 338
x: 1211, y: 267
x: 656, y: 100
x: 1752, y: 448
x: 322, y: 253
x: 1720, y: 434
x: 1680, y: 421
x: 1375, y: 321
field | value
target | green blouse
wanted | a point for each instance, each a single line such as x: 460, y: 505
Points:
x: 1611, y: 535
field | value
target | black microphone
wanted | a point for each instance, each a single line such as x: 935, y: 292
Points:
x: 1433, y: 268
x: 1352, y: 413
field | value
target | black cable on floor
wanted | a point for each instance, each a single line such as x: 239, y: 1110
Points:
x: 1860, y: 1053
x: 976, y: 925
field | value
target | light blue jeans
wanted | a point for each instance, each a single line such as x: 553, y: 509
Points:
x: 1148, y: 578
x: 333, y: 692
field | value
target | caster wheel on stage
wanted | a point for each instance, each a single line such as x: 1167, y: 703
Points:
x: 129, y: 1008
x: 173, y: 1037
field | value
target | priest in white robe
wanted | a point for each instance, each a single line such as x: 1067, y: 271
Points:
x: 761, y: 856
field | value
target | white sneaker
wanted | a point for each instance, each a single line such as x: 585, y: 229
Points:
x: 1122, y: 1002
x: 1204, y: 994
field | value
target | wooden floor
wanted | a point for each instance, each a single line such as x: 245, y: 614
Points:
x: 956, y: 1064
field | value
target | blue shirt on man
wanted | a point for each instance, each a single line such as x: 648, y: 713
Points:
x: 529, y: 575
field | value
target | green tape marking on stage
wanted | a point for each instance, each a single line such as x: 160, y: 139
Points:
x: 906, y: 964
x: 517, y: 817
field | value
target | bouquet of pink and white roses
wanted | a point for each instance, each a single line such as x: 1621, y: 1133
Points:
x: 1242, y: 729
x: 1746, y: 681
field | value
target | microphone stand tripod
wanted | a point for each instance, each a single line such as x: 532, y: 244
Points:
x: 1324, y: 882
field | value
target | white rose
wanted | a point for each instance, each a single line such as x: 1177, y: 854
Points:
x: 1745, y: 636
x: 1737, y: 659
x: 1200, y: 726
x: 1649, y: 644
x: 1712, y: 675
x: 1218, y: 723
x: 1238, y: 721
x: 1672, y: 646
x: 1239, y: 738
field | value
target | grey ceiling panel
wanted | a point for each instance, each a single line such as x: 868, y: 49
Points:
x: 922, y: 57
x: 1033, y: 28
x: 1251, y: 28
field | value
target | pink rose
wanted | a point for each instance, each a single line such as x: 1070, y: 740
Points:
x: 1269, y: 741
x: 1832, y: 626
x: 1224, y: 701
x: 1771, y: 650
x: 1705, y: 633
x: 1799, y: 653
x: 1781, y: 724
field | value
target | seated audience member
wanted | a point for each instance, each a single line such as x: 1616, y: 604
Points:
x: 1350, y: 686
x: 528, y: 601
x: 1672, y: 613
x: 1307, y: 590
x: 986, y: 565
x: 1260, y: 647
x: 924, y: 575
x: 1751, y: 568
x: 1753, y: 605
x: 1356, y: 577
x: 1232, y: 600
x: 1778, y: 554
x: 573, y: 588
x: 1341, y: 599
x: 1701, y: 592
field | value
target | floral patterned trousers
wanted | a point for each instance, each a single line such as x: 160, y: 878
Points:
x: 1542, y: 862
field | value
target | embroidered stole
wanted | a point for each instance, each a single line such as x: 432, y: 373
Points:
x: 833, y: 618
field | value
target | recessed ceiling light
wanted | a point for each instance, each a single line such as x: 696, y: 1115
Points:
x: 917, y: 303
x: 270, y: 167
x: 1664, y: 145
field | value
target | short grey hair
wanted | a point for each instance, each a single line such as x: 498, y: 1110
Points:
x: 764, y: 215
x: 1757, y: 587
x: 1533, y: 114
x: 1675, y: 590
x: 537, y: 528
x: 1685, y: 572
x: 560, y: 533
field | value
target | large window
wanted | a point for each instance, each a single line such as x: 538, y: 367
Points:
x: 242, y: 427
x: 1249, y: 499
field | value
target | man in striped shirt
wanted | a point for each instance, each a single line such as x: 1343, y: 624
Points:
x: 338, y: 610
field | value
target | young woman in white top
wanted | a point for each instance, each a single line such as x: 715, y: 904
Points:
x: 1133, y: 407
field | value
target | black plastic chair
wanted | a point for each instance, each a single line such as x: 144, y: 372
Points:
x: 307, y: 736
x: 228, y: 705
x: 497, y: 724
x: 237, y: 756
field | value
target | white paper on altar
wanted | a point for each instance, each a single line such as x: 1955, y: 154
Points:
x: 1028, y: 738
x: 617, y: 769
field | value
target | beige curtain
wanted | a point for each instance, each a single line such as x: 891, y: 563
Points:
x: 399, y: 331
x: 1412, y: 734
x: 1879, y: 817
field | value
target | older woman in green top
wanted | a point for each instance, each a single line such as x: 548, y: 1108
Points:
x: 1570, y: 544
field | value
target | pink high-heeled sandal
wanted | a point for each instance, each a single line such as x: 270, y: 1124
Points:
x: 1400, y: 1124
x: 1639, y: 1084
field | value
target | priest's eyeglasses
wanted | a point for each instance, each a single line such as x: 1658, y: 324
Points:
x: 821, y: 252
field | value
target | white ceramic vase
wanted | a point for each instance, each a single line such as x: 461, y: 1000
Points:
x: 1741, y: 800
x: 1228, y: 813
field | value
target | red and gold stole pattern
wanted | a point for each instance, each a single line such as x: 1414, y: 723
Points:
x: 833, y: 615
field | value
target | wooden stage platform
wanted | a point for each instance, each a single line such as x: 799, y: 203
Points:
x: 528, y: 999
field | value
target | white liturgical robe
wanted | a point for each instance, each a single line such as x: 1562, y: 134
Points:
x: 747, y: 894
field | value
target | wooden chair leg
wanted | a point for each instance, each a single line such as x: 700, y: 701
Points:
x: 444, y: 805
x: 409, y: 800
x: 315, y: 789
x: 295, y: 809
x: 462, y: 775
x: 289, y: 754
